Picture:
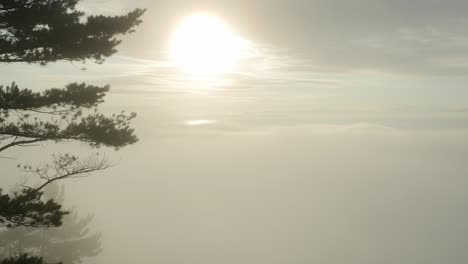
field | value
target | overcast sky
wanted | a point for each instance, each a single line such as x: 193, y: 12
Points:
x: 343, y: 139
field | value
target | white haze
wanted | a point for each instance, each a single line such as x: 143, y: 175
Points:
x: 343, y: 141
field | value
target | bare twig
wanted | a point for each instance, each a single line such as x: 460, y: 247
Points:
x: 66, y: 167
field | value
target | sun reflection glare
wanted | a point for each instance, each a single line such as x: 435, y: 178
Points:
x: 200, y: 122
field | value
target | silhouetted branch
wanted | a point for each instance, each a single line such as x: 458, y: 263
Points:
x: 21, y: 142
x: 65, y: 167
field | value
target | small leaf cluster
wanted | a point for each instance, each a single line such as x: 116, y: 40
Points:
x: 100, y: 130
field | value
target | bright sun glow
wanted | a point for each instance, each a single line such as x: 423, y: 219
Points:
x: 204, y: 45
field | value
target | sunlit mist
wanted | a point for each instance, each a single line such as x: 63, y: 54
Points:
x: 233, y: 132
x: 204, y: 45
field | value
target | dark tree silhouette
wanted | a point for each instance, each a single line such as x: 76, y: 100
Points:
x: 71, y: 243
x: 26, y: 208
x: 24, y: 259
x: 42, y: 32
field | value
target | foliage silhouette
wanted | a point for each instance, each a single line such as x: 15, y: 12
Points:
x: 24, y: 259
x: 71, y: 243
x: 42, y: 32
x: 26, y: 208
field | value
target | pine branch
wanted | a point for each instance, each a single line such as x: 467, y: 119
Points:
x: 21, y: 142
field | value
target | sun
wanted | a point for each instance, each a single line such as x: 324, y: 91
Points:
x: 204, y: 45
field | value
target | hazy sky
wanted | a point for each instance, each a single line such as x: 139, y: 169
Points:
x: 342, y: 139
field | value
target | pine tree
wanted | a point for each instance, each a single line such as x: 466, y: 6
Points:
x: 42, y: 32
x: 71, y: 243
